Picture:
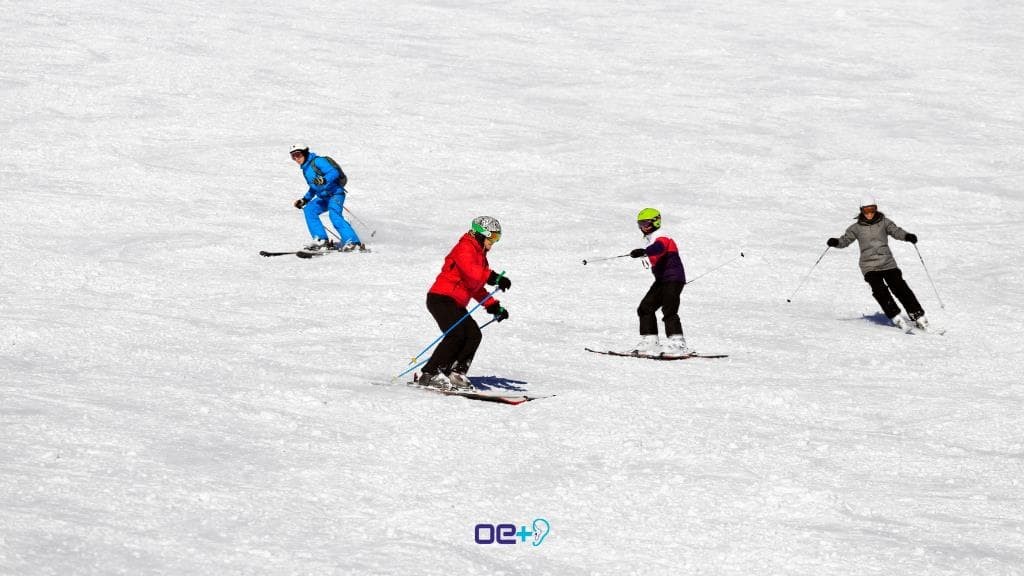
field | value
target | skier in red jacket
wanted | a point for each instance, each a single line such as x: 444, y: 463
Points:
x: 463, y: 276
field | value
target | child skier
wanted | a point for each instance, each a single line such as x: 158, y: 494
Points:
x: 669, y: 279
x: 463, y: 276
x: 326, y: 194
x: 872, y: 230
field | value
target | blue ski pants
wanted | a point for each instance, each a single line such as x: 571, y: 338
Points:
x: 334, y: 206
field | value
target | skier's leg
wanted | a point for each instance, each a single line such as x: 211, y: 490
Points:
x: 312, y: 212
x: 670, y: 292
x: 445, y: 312
x: 648, y: 306
x: 469, y: 346
x: 336, y: 208
x: 894, y: 278
x: 876, y: 279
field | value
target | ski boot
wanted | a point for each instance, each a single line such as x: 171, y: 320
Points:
x: 318, y: 245
x: 647, y: 346
x: 675, y: 346
x: 899, y: 322
x: 434, y: 380
x: 920, y: 321
x: 458, y: 378
x: 460, y: 382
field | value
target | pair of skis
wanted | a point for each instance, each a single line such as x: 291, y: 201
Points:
x: 307, y: 254
x: 475, y: 393
x: 662, y: 356
x: 511, y: 399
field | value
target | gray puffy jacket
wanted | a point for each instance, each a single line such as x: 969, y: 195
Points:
x: 873, y: 236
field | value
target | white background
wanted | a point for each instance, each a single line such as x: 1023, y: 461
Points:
x: 173, y: 403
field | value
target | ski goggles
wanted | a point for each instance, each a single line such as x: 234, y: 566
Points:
x: 494, y: 237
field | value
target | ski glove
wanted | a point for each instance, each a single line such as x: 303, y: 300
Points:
x: 498, y: 311
x: 832, y: 242
x: 912, y: 238
x: 502, y: 282
x: 638, y: 253
x: 300, y: 203
x: 319, y: 181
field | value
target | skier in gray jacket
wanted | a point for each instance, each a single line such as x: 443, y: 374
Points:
x: 872, y: 230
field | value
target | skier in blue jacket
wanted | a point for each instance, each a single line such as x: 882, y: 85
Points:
x: 326, y: 194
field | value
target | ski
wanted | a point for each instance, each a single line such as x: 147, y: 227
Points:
x: 513, y: 400
x: 909, y: 328
x: 267, y: 254
x: 307, y: 254
x: 656, y: 356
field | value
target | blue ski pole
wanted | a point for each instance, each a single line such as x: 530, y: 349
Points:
x: 424, y: 361
x: 450, y: 328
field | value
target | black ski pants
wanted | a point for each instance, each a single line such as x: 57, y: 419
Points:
x: 664, y: 295
x: 456, y: 350
x: 888, y: 283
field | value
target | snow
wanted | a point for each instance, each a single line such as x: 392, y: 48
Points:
x: 173, y: 403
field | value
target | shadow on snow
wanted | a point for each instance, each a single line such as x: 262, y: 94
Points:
x: 876, y: 318
x: 485, y: 383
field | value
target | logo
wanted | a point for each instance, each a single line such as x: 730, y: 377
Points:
x: 509, y: 534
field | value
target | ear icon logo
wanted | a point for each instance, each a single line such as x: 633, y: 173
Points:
x: 541, y: 529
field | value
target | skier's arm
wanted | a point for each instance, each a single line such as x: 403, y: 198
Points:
x: 323, y: 179
x: 330, y: 174
x: 656, y: 248
x: 847, y: 238
x: 895, y: 231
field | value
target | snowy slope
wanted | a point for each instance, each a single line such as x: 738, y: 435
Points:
x: 174, y: 403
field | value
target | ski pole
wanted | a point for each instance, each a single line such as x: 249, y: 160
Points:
x: 715, y: 268
x: 941, y: 305
x: 361, y: 221
x: 606, y: 258
x: 452, y: 327
x: 808, y: 274
x: 424, y: 361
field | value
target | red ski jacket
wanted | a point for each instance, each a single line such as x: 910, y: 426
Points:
x: 465, y: 273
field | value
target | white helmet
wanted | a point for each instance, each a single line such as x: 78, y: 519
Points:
x: 486, y: 226
x: 868, y: 200
x: 299, y: 148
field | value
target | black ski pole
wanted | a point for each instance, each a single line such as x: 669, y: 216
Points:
x: 688, y: 282
x: 790, y: 299
x: 941, y: 305
x: 585, y: 262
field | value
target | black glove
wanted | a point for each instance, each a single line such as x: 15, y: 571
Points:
x: 498, y: 311
x: 912, y: 238
x: 637, y: 253
x: 301, y: 203
x: 833, y: 242
x: 319, y: 181
x: 502, y: 282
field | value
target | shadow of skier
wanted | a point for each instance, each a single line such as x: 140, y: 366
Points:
x: 485, y: 383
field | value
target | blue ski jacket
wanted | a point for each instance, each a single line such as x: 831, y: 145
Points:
x: 331, y: 185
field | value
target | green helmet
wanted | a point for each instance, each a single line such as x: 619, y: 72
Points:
x: 649, y: 216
